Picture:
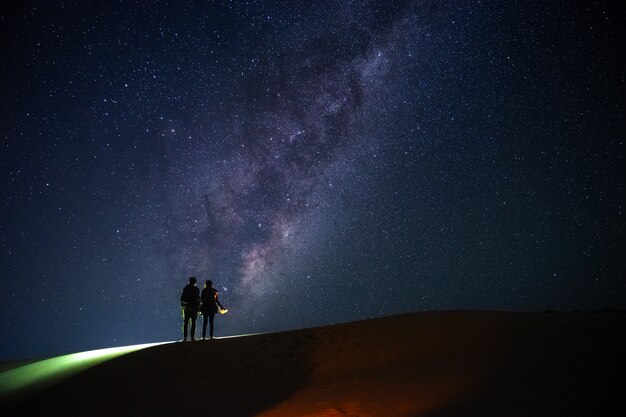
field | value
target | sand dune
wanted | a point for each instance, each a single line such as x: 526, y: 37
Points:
x: 423, y: 364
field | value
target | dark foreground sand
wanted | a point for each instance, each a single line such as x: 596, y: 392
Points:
x: 423, y: 364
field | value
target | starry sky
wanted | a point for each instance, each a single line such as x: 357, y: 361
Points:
x: 320, y: 161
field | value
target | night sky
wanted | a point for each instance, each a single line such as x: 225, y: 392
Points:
x: 320, y: 161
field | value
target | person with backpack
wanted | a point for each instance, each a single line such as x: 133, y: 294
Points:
x: 190, y: 304
x: 210, y: 305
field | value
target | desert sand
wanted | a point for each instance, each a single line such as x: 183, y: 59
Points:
x: 423, y: 364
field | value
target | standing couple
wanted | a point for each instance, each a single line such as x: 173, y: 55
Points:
x: 194, y: 302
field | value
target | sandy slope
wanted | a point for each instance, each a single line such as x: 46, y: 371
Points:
x: 424, y: 364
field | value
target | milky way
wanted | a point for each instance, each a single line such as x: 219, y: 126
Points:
x: 307, y: 125
x: 319, y: 161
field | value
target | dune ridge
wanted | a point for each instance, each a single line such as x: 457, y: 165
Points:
x: 453, y: 363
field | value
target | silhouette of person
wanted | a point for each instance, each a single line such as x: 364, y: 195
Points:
x: 210, y: 304
x: 190, y: 303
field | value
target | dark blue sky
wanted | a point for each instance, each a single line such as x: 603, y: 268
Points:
x: 320, y: 161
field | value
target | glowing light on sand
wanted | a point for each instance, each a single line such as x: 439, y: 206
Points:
x: 51, y: 370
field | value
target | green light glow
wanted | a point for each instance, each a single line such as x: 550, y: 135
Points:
x: 48, y: 371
